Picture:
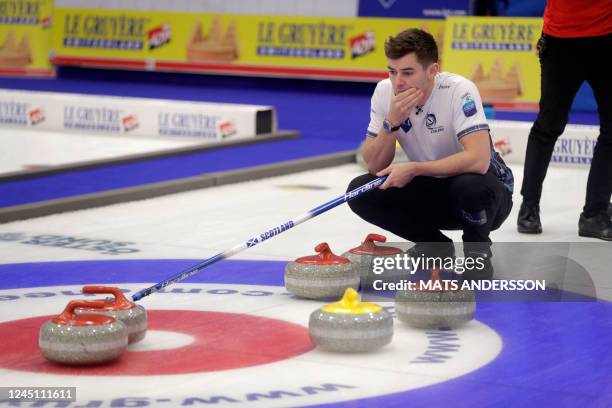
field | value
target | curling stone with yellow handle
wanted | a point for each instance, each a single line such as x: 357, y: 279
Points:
x: 350, y: 325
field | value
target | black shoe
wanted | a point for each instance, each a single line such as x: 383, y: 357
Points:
x: 599, y: 226
x: 529, y: 219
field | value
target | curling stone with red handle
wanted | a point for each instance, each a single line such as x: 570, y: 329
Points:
x: 363, y: 255
x: 132, y: 315
x: 81, y: 339
x: 321, y: 276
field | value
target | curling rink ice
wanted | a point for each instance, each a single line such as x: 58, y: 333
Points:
x: 232, y: 336
x: 47, y: 149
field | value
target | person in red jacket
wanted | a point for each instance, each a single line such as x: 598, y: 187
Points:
x: 575, y: 46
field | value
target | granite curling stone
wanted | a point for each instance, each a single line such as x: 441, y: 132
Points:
x: 132, y: 315
x: 350, y: 326
x: 435, y: 307
x: 82, y: 339
x: 321, y: 276
x: 363, y: 255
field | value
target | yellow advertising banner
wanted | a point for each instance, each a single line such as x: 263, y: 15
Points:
x: 498, y: 54
x: 25, y: 28
x: 248, y: 44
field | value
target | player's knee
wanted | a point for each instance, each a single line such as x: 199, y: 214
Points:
x: 359, y: 181
x: 364, y: 205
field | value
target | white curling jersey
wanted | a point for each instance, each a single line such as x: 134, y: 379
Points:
x: 433, y: 131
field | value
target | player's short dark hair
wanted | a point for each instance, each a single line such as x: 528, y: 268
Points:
x: 413, y: 40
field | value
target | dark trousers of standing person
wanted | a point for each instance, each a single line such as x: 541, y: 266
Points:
x: 474, y: 203
x: 565, y: 64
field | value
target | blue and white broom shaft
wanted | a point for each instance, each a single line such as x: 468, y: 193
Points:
x: 251, y: 242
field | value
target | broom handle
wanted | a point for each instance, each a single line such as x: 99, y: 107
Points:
x: 258, y: 239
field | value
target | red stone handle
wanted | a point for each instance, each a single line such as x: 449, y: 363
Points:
x: 324, y: 256
x: 375, y: 237
x: 68, y: 314
x: 324, y: 251
x: 369, y: 245
x: 120, y: 300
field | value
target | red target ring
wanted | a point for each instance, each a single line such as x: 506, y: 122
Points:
x: 223, y: 341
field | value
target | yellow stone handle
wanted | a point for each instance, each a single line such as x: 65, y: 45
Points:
x: 350, y: 304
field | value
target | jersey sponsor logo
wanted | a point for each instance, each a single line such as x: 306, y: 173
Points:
x: 406, y: 126
x: 430, y: 121
x: 469, y: 106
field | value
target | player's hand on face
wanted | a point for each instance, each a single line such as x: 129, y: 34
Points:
x: 402, y: 103
x: 398, y: 175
